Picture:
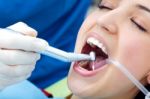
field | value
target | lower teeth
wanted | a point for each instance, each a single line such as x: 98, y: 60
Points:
x: 86, y: 65
x: 83, y: 63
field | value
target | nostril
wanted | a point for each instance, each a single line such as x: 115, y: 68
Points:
x: 111, y: 28
x: 107, y: 25
x: 105, y: 28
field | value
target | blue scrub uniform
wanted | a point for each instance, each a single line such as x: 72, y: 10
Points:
x: 22, y: 90
x: 56, y: 21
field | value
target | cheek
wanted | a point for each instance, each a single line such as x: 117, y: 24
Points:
x: 87, y: 25
x: 89, y: 22
x: 135, y: 55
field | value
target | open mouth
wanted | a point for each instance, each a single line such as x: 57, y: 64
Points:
x: 98, y: 47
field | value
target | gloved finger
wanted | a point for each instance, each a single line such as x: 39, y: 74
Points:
x: 21, y: 78
x: 18, y: 57
x: 5, y: 81
x: 16, y: 71
x: 23, y: 29
x: 11, y: 40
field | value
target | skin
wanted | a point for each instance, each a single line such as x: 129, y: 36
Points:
x: 126, y: 42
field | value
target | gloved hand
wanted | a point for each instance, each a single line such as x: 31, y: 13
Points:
x: 18, y: 53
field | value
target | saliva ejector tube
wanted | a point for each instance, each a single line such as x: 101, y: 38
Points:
x: 131, y: 77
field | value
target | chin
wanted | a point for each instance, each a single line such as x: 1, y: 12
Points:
x: 84, y: 87
x: 97, y: 85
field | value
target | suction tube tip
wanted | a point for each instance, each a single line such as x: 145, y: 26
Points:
x: 92, y: 54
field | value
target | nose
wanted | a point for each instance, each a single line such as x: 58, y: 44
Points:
x: 108, y: 23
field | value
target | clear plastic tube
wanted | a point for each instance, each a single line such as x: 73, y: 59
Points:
x: 131, y: 77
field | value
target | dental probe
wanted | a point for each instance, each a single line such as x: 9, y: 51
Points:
x: 61, y: 55
x: 67, y: 56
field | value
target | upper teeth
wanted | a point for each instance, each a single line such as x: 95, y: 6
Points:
x: 94, y: 42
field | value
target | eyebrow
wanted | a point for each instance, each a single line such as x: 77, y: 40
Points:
x: 142, y: 7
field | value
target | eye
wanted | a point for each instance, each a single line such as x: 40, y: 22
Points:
x: 140, y: 27
x: 100, y: 6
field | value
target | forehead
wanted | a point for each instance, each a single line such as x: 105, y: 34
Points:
x: 145, y: 2
x: 130, y: 3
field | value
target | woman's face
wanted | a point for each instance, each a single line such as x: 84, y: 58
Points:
x: 118, y: 29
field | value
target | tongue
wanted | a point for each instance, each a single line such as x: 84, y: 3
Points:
x: 98, y: 63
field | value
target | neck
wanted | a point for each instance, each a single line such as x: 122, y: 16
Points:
x: 129, y: 95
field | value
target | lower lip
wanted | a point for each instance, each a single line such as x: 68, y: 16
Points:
x: 86, y: 73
